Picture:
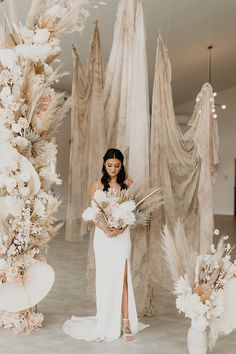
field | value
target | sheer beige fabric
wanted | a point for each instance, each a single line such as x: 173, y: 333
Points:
x: 126, y: 90
x: 87, y: 135
x: 184, y: 165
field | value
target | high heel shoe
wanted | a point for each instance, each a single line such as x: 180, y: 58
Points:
x: 126, y: 333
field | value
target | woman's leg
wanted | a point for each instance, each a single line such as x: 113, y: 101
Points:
x: 127, y: 335
x: 125, y: 311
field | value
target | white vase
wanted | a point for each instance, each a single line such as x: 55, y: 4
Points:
x: 197, y: 341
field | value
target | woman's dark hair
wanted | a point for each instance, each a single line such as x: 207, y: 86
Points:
x: 113, y: 154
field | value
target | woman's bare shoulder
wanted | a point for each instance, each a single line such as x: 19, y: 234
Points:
x: 128, y: 182
x: 96, y: 185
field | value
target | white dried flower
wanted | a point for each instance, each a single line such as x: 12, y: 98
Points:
x: 24, y: 191
x: 41, y: 36
x: 228, y: 247
x: 25, y: 176
x: 227, y: 257
x: 10, y: 182
x: 90, y: 213
x: 6, y: 95
x: 216, y: 232
x: 16, y: 128
x: 25, y: 33
x: 23, y: 122
x: 56, y: 11
x: 39, y: 208
x: 8, y: 57
x: 213, y: 250
x: 21, y: 142
x: 100, y: 196
x: 2, y: 249
x: 34, y: 52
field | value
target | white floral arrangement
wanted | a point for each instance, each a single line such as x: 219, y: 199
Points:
x: 30, y: 113
x: 205, y: 285
x: 120, y: 209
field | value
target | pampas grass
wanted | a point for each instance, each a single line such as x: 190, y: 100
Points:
x: 180, y: 257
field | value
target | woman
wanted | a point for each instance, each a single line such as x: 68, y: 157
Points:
x: 116, y: 309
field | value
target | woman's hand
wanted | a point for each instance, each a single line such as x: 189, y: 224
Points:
x: 113, y: 232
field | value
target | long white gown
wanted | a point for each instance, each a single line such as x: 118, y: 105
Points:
x: 110, y: 256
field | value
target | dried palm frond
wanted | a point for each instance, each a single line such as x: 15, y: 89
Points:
x: 73, y: 18
x: 2, y: 37
x: 34, y: 11
x: 37, y: 144
x: 56, y: 75
x: 53, y: 116
x: 52, y: 208
x: 180, y: 258
x: 220, y: 250
x: 53, y: 231
x: 13, y: 12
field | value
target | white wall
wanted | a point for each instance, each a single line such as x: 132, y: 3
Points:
x: 224, y: 186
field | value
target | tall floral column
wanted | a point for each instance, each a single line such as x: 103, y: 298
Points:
x: 30, y: 114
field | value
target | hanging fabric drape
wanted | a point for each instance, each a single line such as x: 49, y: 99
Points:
x: 87, y: 135
x: 184, y: 165
x: 126, y: 90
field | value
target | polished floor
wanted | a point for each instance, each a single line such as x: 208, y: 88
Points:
x: 166, y: 334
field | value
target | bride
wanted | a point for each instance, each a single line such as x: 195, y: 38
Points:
x: 116, y: 310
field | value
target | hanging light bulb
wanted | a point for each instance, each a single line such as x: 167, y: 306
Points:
x: 223, y: 106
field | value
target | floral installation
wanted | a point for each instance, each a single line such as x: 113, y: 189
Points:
x: 30, y: 113
x: 205, y: 285
x: 120, y: 209
x: 23, y: 322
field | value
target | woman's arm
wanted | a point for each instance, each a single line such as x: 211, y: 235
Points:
x: 128, y: 182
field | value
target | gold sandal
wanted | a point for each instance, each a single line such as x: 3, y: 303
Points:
x: 126, y: 331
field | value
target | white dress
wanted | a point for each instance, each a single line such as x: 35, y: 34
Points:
x: 110, y: 256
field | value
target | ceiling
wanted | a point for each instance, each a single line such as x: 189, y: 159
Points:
x: 187, y: 26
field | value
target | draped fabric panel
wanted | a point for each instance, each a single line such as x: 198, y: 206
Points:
x: 87, y: 135
x: 126, y: 90
x: 183, y: 164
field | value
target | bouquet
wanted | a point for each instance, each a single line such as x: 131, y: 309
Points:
x: 205, y: 285
x: 120, y: 209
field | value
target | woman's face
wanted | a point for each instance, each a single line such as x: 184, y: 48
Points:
x: 113, y: 167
